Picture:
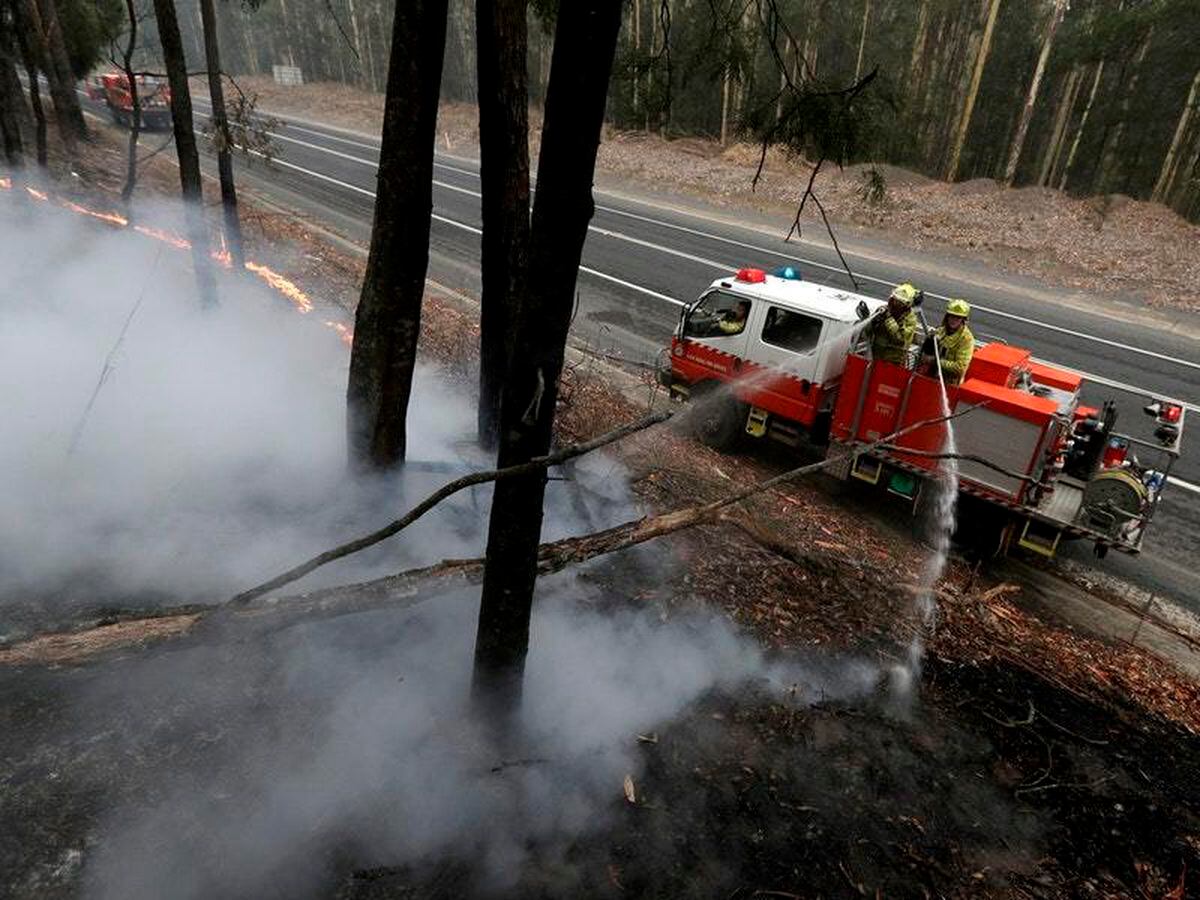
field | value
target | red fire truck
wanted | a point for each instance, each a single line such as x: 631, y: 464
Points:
x: 154, y: 97
x: 774, y: 356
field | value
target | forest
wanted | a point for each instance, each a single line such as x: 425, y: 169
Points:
x: 1091, y: 97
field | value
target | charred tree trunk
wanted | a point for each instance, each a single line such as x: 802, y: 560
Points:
x: 35, y: 100
x: 388, y: 321
x: 185, y: 147
x: 1018, y: 142
x: 135, y: 126
x: 11, y: 102
x: 224, y: 140
x: 964, y: 123
x: 504, y: 177
x: 584, y: 45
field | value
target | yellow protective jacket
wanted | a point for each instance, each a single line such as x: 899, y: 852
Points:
x: 891, y: 338
x: 955, y: 350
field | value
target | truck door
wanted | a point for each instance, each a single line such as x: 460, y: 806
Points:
x: 788, y: 344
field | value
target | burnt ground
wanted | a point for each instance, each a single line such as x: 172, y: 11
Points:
x: 988, y: 783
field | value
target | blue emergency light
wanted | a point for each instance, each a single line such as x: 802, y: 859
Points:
x: 791, y: 273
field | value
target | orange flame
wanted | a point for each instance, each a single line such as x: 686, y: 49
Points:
x: 159, y: 235
x: 283, y: 285
x: 345, y: 333
x: 112, y: 218
x: 223, y: 256
x: 288, y: 288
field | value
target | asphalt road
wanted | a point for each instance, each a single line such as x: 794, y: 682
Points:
x: 644, y: 259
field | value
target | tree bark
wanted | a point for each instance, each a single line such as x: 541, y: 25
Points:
x: 388, y: 321
x: 1018, y: 142
x: 502, y: 42
x: 1162, y: 184
x: 1083, y: 119
x: 135, y: 126
x: 584, y: 45
x: 973, y: 91
x: 224, y: 140
x: 185, y: 148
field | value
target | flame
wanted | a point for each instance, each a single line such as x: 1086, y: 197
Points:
x: 344, y: 332
x: 223, y: 256
x: 159, y: 235
x: 283, y: 285
x: 112, y: 218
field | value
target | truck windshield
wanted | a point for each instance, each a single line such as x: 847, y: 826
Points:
x: 717, y: 315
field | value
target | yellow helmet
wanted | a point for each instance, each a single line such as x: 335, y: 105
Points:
x: 959, y: 308
x: 904, y: 293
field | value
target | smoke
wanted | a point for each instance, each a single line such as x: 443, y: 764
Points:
x: 212, y: 457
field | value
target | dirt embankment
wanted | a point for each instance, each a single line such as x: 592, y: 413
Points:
x: 1037, y: 761
x: 1128, y: 249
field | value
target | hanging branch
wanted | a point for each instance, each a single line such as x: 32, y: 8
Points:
x: 453, y: 487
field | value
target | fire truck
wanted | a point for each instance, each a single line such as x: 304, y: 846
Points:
x: 154, y: 96
x: 772, y: 356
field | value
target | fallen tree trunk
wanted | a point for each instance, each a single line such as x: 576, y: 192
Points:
x: 408, y: 588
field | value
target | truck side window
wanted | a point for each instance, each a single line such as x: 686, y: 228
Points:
x: 791, y: 330
x: 718, y: 315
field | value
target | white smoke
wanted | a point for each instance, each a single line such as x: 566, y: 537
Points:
x: 212, y: 458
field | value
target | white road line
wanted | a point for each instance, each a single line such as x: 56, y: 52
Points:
x: 1186, y: 485
x: 604, y: 276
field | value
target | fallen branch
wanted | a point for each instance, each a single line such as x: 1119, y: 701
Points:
x: 446, y: 490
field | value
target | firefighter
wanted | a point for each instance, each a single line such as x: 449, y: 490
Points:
x: 955, y: 343
x: 734, y: 321
x: 894, y: 328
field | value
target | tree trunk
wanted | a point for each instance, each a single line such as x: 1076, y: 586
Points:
x: 63, y: 97
x: 725, y: 105
x: 35, y: 100
x: 388, y: 321
x: 135, y: 126
x: 224, y: 140
x: 1185, y: 118
x: 502, y: 42
x: 1110, y: 155
x: 862, y: 40
x: 61, y: 64
x: 11, y: 102
x: 1083, y: 119
x: 964, y: 123
x: 363, y: 79
x: 584, y: 45
x: 1057, y: 135
x: 636, y: 39
x: 1018, y: 143
x: 185, y: 147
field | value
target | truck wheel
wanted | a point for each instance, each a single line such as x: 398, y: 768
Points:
x: 718, y: 420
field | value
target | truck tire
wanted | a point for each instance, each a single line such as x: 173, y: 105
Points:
x: 718, y: 420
